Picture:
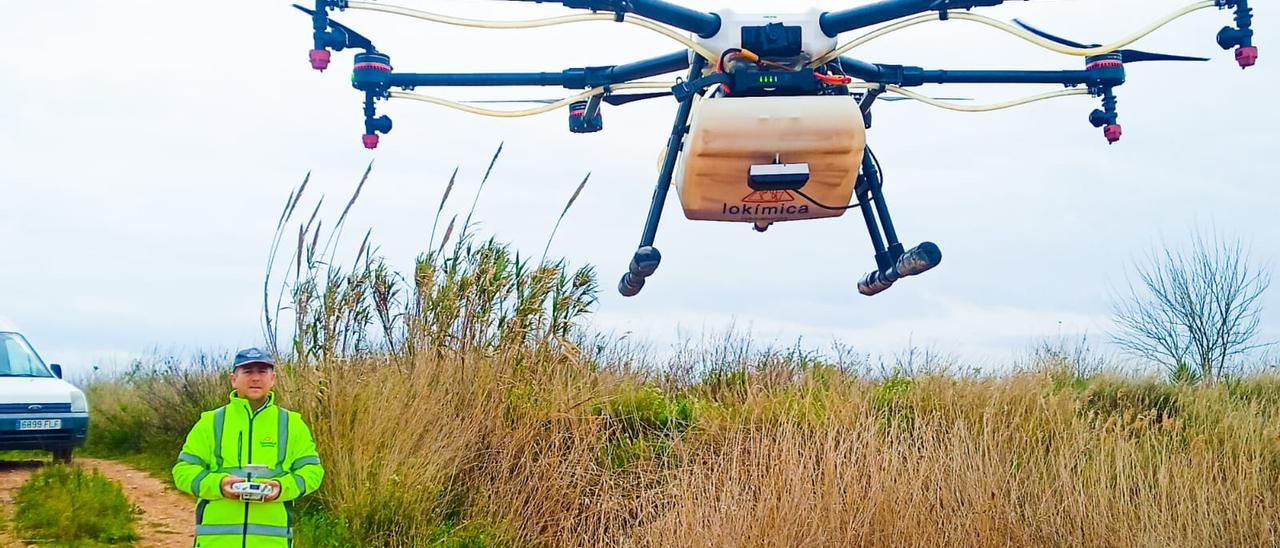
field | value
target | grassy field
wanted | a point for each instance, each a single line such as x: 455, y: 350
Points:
x: 490, y: 451
x: 466, y: 403
x: 463, y: 406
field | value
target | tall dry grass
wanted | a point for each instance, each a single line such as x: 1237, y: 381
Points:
x: 465, y: 405
x: 571, y: 452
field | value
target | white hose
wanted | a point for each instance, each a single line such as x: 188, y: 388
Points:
x: 985, y: 108
x: 531, y: 111
x: 1016, y: 31
x: 667, y: 85
x: 536, y: 23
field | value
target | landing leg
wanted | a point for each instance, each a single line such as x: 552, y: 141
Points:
x: 646, y: 259
x: 892, y: 262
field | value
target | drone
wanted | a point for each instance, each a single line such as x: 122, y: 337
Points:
x: 772, y: 111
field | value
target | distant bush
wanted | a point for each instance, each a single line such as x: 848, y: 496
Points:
x: 641, y: 423
x: 645, y: 410
x: 153, y: 405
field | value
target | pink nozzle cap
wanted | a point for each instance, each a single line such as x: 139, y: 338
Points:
x: 370, y: 140
x: 1112, y: 132
x: 320, y: 59
x: 1247, y: 56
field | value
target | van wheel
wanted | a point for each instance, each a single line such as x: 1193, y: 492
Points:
x: 62, y: 455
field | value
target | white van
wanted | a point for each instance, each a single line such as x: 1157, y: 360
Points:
x: 38, y: 410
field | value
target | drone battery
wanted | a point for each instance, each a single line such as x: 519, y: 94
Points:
x: 778, y: 177
x: 730, y: 138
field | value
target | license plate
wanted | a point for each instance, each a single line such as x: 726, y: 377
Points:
x: 40, y: 424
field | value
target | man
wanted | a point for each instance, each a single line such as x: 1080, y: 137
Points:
x: 249, y: 431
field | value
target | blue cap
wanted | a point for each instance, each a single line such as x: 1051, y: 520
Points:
x: 252, y: 355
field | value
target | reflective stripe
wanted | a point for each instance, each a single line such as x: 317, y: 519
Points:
x: 302, y: 485
x: 195, y: 483
x: 188, y: 457
x: 219, y: 417
x: 304, y: 461
x: 282, y: 434
x: 270, y: 531
x: 251, y: 529
x: 219, y: 530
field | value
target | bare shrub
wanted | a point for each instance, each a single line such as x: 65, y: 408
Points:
x: 1193, y: 311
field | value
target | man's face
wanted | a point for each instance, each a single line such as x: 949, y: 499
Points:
x: 253, y: 381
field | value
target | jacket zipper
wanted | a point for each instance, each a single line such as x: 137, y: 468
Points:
x: 244, y: 535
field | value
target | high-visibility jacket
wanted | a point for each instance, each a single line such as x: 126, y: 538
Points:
x: 223, y: 443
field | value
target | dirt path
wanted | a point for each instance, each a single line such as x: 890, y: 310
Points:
x: 167, y: 516
x: 13, y: 475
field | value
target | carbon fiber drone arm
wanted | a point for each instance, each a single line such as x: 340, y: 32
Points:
x: 907, y: 76
x: 836, y: 22
x: 703, y: 24
x: 1100, y: 76
x: 573, y: 78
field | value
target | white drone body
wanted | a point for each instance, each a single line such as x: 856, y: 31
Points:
x: 814, y: 42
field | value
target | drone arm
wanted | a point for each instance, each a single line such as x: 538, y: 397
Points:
x: 907, y: 76
x: 649, y: 67
x: 412, y: 80
x: 574, y: 78
x: 1064, y: 77
x: 862, y: 70
x: 1100, y: 78
x: 834, y: 23
x: 703, y: 24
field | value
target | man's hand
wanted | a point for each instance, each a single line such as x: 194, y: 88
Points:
x: 227, y: 482
x: 275, y: 490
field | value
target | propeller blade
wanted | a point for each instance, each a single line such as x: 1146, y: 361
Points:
x: 1048, y: 36
x: 1126, y: 55
x: 1134, y: 56
x: 353, y: 38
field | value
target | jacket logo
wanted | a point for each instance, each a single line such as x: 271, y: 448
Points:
x: 267, y: 442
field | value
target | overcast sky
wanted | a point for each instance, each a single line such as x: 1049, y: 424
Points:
x: 147, y: 147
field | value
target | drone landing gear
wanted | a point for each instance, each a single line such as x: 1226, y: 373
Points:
x: 647, y: 258
x: 892, y: 262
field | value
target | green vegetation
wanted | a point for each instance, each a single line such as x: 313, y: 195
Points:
x: 315, y: 529
x: 71, y: 507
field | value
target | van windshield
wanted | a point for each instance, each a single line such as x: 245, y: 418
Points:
x: 17, y: 359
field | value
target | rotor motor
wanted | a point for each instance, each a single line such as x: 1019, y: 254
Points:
x: 372, y: 75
